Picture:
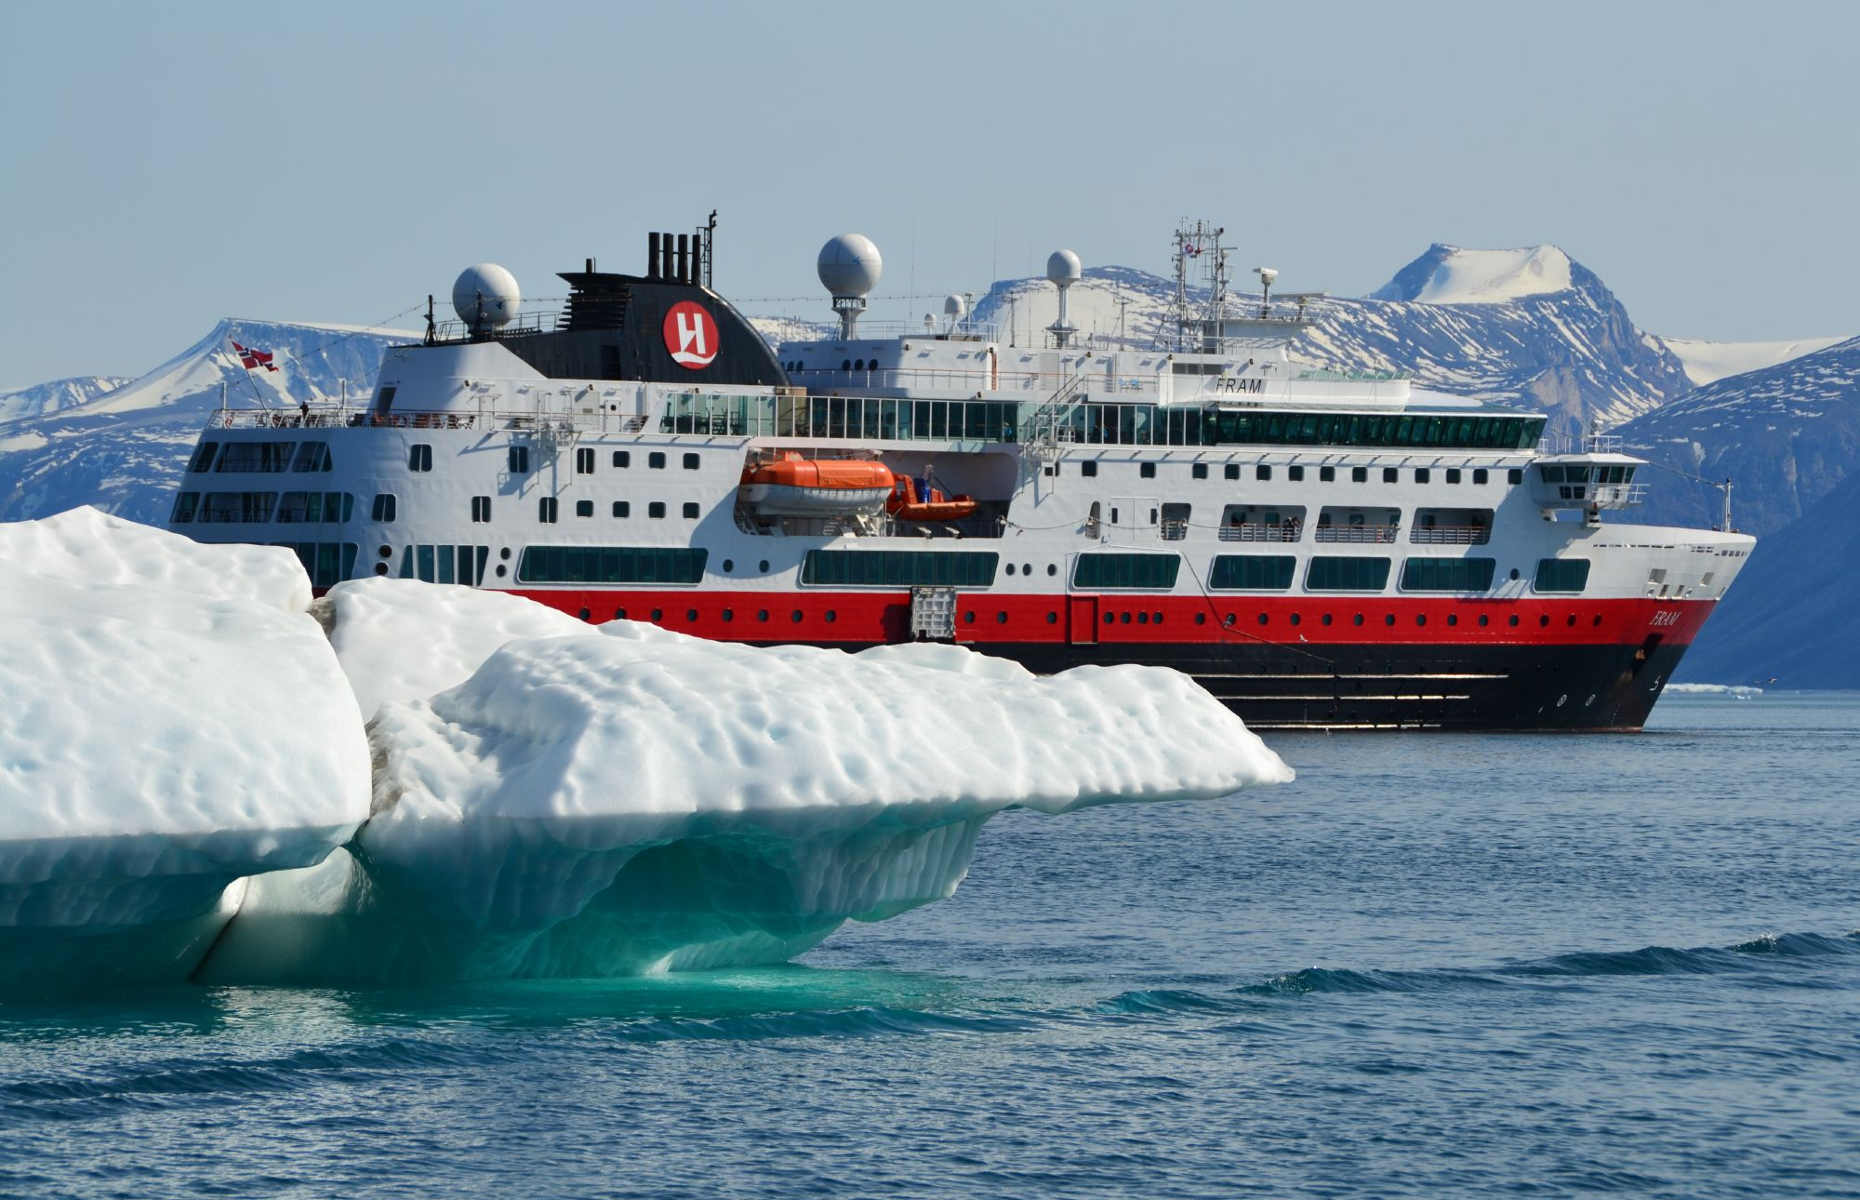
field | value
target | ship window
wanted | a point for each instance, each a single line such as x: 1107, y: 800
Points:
x: 546, y: 510
x: 691, y: 462
x: 1423, y: 475
x: 1295, y: 474
x: 1447, y: 574
x: 262, y: 457
x: 899, y: 568
x: 327, y: 563
x: 1262, y: 471
x: 1515, y: 475
x: 237, y: 507
x: 656, y: 460
x: 691, y: 510
x: 1199, y: 471
x: 1146, y: 470
x: 1453, y: 474
x: 1088, y: 469
x: 622, y: 508
x: 656, y: 509
x: 519, y: 460
x: 203, y: 457
x: 1327, y: 474
x: 383, y: 510
x: 1390, y: 475
x: 1155, y: 572
x: 1481, y: 475
x: 481, y: 510
x: 1359, y: 474
x: 315, y: 507
x: 184, y: 506
x: 1347, y: 573
x: 584, y: 461
x: 312, y: 456
x: 622, y: 458
x: 584, y: 508
x: 1252, y: 572
x: 1569, y: 575
x: 611, y: 564
x: 420, y: 457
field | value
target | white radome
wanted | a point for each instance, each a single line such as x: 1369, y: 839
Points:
x: 498, y: 290
x: 850, y: 265
x: 954, y: 306
x: 1062, y: 267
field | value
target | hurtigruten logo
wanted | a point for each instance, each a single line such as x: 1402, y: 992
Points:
x: 690, y: 335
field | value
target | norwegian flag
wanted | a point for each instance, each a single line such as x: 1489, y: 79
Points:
x: 251, y: 359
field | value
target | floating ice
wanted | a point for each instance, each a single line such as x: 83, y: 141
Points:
x: 547, y: 798
x: 628, y: 799
x: 173, y: 721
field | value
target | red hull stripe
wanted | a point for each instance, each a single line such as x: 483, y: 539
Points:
x: 1109, y: 618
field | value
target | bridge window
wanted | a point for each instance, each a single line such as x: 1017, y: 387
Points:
x: 611, y: 564
x: 184, y: 506
x: 1568, y: 575
x: 315, y: 507
x: 899, y: 568
x: 260, y: 457
x: 1346, y: 573
x: 1152, y: 572
x: 1252, y: 572
x: 203, y: 457
x: 238, y: 507
x: 1447, y: 574
x: 312, y: 456
x: 383, y: 510
x: 326, y: 563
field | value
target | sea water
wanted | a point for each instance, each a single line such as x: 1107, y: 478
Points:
x: 1434, y: 965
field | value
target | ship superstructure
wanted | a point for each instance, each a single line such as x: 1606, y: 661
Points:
x: 1314, y: 549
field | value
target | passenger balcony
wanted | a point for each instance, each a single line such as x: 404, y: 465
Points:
x: 1357, y: 533
x: 1586, y: 482
x: 1261, y: 531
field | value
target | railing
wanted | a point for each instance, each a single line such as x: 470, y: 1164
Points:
x: 1450, y: 535
x: 1174, y: 531
x: 1260, y: 531
x: 1357, y: 533
x: 284, y: 418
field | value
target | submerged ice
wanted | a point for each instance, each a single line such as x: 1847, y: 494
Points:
x: 532, y: 795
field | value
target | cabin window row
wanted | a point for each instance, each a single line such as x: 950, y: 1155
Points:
x: 327, y: 563
x: 1324, y: 573
x: 244, y: 508
x: 1295, y: 473
x: 611, y: 564
x: 899, y: 568
x: 549, y: 509
x: 442, y: 564
x: 259, y: 457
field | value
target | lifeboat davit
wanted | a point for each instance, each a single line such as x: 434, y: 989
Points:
x: 909, y: 503
x: 792, y: 486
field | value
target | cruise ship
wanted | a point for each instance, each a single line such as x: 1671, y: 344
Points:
x: 1316, y: 550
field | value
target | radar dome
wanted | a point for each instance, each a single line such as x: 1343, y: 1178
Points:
x: 850, y: 265
x: 954, y: 306
x: 493, y: 287
x: 1062, y: 267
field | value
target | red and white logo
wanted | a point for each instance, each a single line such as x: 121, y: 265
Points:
x: 691, y: 335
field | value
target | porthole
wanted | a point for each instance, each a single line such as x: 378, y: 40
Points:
x: 1109, y: 618
x: 1010, y: 568
x: 1388, y: 618
x: 1157, y: 617
x: 1052, y: 618
x: 1201, y: 618
x: 1453, y: 619
x: 1420, y: 619
x: 1124, y: 617
x: 729, y: 564
x: 1228, y: 621
x: 1143, y: 618
x: 503, y: 554
x: 1001, y: 618
x: 1262, y: 618
x: 619, y: 614
x: 381, y: 568
x: 830, y: 616
x: 1514, y: 572
x: 388, y: 552
x: 1572, y: 620
x: 795, y: 616
x: 763, y: 566
x: 1296, y: 619
x: 1543, y: 620
x: 728, y: 614
x: 658, y: 614
x: 500, y: 570
x: 1357, y: 619
x: 585, y: 614
x: 1597, y: 622
x: 1052, y: 569
x: 1512, y: 620
x: 690, y: 614
x: 1324, y: 620
x: 762, y: 614
x: 1026, y: 568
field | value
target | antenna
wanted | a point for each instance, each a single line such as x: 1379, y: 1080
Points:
x: 1267, y: 275
x: 849, y: 267
x: 1062, y: 268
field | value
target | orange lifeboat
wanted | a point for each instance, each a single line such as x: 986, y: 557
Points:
x: 908, y: 504
x: 792, y: 486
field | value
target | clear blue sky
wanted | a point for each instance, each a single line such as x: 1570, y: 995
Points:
x: 164, y: 165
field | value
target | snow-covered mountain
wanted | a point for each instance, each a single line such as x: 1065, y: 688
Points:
x: 43, y: 399
x: 1785, y: 435
x: 1530, y: 327
x: 1708, y: 362
x: 122, y: 447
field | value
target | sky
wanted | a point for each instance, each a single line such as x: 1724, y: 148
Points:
x: 165, y: 165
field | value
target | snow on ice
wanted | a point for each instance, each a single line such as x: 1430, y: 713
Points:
x: 182, y: 754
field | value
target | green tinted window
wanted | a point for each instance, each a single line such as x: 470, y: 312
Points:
x: 1252, y: 572
x: 1153, y: 572
x: 1561, y: 574
x: 899, y: 568
x: 1347, y: 573
x: 611, y: 564
x: 1447, y: 574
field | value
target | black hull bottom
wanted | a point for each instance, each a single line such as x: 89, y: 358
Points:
x: 1593, y: 688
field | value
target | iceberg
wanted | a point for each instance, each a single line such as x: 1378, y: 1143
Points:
x: 173, y: 723
x: 529, y: 795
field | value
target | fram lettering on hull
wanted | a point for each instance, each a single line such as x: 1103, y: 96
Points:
x: 690, y: 335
